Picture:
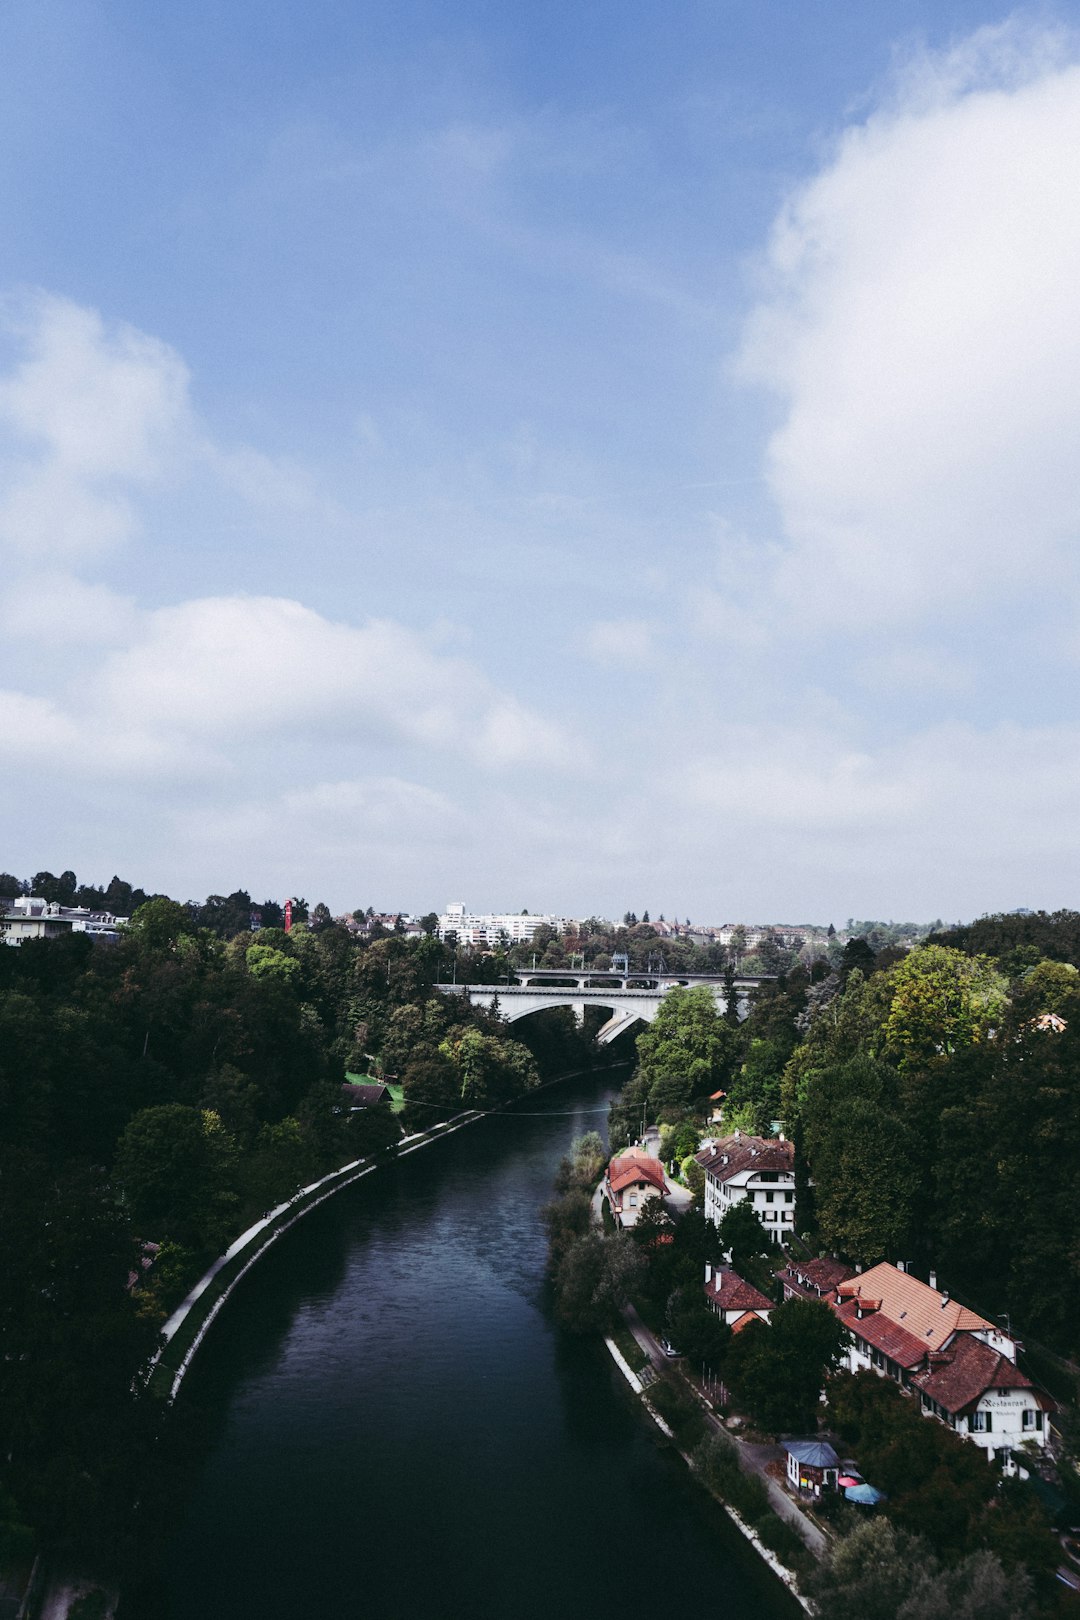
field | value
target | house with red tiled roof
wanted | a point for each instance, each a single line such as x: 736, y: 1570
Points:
x: 814, y: 1279
x: 630, y: 1180
x: 736, y: 1302
x: 962, y: 1366
x: 757, y: 1169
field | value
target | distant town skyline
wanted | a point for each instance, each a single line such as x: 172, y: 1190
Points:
x: 469, y: 451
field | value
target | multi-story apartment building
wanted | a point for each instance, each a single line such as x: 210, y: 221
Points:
x: 29, y: 917
x: 755, y: 1169
x: 510, y: 927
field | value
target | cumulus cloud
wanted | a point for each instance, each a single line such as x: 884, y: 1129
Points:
x: 222, y: 670
x: 89, y: 412
x: 197, y: 686
x: 922, y: 330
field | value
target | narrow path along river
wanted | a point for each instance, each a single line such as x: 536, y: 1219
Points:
x: 399, y: 1429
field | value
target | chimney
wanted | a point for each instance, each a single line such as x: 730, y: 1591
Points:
x: 738, y: 1133
x: 708, y: 1272
x: 933, y: 1281
x: 782, y: 1137
x: 901, y: 1265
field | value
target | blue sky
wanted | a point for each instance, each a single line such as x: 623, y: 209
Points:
x: 575, y: 460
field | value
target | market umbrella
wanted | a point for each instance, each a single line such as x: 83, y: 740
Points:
x: 864, y: 1493
x: 849, y: 1479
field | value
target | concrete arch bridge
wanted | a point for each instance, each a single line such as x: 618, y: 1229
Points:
x: 627, y: 997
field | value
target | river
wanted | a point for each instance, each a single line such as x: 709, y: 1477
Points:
x: 398, y: 1429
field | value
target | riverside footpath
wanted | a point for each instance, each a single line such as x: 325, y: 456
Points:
x: 763, y: 1458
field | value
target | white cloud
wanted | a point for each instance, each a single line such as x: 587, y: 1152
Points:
x: 218, y: 672
x: 922, y: 329
x: 88, y: 412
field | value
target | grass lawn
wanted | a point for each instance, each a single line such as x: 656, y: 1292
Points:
x: 631, y: 1351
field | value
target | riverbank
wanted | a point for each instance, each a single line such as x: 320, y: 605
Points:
x: 638, y: 1359
x: 187, y: 1327
x: 641, y: 1382
x: 403, y: 1336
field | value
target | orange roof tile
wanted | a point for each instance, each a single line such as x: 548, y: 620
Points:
x: 918, y: 1309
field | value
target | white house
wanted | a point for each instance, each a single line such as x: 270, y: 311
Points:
x: 734, y: 1300
x: 961, y: 1366
x: 630, y: 1180
x: 755, y: 1169
x: 30, y: 917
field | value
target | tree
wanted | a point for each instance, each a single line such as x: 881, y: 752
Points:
x: 877, y: 1572
x: 941, y: 1000
x: 176, y: 1167
x: 866, y: 1160
x: 592, y: 1278
x: 160, y: 923
x: 696, y: 1330
x: 782, y: 1376
x: 687, y: 1052
x: 743, y: 1236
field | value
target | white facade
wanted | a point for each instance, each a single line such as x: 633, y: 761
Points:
x: 490, y: 928
x: 752, y: 1172
x: 30, y: 917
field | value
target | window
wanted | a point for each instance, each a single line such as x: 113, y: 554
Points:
x: 981, y: 1422
x: 1033, y: 1418
x: 789, y: 1198
x: 632, y: 1200
x: 769, y: 1197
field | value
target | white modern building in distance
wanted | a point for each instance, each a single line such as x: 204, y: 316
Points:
x: 510, y: 927
x: 30, y: 917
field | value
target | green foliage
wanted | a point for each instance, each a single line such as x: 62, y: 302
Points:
x: 941, y: 1000
x: 742, y: 1235
x: 938, y: 1485
x: 583, y: 1165
x: 778, y: 1369
x: 696, y: 1330
x: 865, y: 1159
x: 489, y: 1069
x: 160, y: 923
x: 176, y: 1166
x: 880, y: 1573
x: 264, y: 962
x: 716, y: 1461
x: 591, y: 1279
x: 679, y: 1410
x: 687, y: 1052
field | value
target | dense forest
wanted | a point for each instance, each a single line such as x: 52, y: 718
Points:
x: 155, y: 1096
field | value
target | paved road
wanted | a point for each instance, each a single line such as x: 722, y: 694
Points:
x: 754, y: 1456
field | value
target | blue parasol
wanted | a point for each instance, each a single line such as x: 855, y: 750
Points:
x: 864, y: 1493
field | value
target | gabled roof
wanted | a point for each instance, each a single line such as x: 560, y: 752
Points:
x: 928, y: 1316
x: 634, y: 1166
x: 726, y: 1291
x: 957, y: 1377
x: 744, y: 1321
x: 883, y: 1334
x: 735, y: 1154
x: 817, y: 1278
x: 364, y: 1096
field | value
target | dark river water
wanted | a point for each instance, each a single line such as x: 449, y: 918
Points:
x: 399, y: 1430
